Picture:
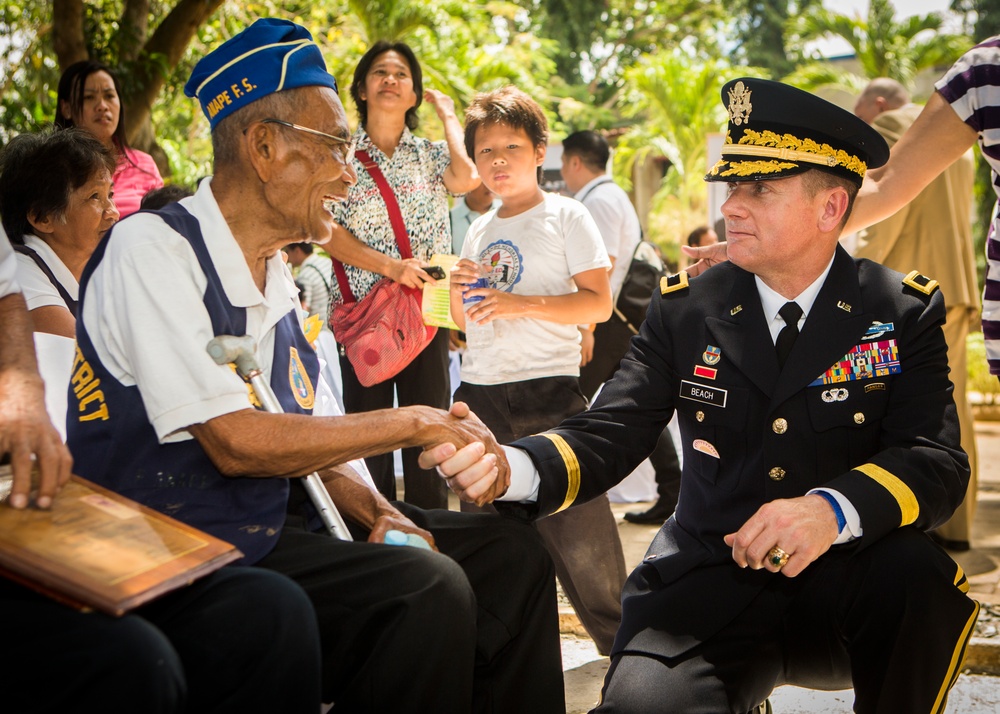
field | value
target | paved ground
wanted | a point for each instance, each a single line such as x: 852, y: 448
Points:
x: 973, y: 694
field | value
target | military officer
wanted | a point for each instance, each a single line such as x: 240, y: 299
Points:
x: 820, y: 442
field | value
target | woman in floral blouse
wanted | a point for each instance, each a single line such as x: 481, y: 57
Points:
x: 387, y: 89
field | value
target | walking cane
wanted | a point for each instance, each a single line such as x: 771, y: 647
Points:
x: 230, y: 349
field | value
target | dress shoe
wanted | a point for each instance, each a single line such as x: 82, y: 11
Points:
x: 656, y: 515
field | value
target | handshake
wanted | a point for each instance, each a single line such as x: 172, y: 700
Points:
x: 468, y: 458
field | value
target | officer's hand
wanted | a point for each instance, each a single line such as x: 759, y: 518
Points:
x: 707, y: 256
x: 803, y: 527
x: 472, y: 473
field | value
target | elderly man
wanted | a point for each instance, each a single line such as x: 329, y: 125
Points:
x: 470, y: 628
x: 933, y: 231
x: 813, y: 463
x: 55, y: 658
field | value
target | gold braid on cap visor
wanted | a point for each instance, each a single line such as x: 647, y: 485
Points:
x: 768, y: 144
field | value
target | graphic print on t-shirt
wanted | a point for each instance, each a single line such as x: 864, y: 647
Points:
x: 504, y: 262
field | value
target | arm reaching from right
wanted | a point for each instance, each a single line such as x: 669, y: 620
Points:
x: 935, y: 141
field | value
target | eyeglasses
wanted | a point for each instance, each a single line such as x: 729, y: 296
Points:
x: 351, y: 144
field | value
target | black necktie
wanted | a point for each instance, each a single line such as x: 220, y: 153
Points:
x: 790, y: 312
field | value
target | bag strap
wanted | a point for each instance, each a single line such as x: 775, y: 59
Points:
x: 591, y: 189
x: 71, y: 304
x: 395, y: 219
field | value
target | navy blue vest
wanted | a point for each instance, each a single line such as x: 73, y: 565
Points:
x: 114, y: 444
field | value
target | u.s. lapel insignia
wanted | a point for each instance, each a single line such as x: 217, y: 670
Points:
x: 843, y: 306
x: 735, y: 310
x: 298, y: 380
x: 711, y: 355
x: 739, y: 104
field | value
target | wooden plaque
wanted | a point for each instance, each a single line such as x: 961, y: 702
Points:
x: 98, y: 550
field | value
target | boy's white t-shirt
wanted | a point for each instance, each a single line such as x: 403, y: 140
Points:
x: 533, y: 253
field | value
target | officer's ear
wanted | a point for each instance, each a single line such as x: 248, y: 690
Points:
x: 834, y: 208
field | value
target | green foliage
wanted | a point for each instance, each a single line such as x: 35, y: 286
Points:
x: 761, y: 26
x: 884, y: 47
x: 675, y: 100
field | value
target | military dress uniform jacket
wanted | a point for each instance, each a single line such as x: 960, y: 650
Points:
x: 886, y: 436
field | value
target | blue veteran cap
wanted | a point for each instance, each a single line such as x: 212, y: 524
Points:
x: 776, y: 130
x: 269, y: 56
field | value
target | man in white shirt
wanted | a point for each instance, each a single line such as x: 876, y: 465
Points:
x: 814, y: 464
x: 472, y: 627
x: 142, y: 661
x: 314, y: 273
x: 584, y: 162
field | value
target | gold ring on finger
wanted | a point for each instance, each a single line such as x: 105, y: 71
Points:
x: 777, y: 557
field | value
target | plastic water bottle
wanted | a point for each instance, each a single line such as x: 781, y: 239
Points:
x: 477, y: 336
x: 395, y: 537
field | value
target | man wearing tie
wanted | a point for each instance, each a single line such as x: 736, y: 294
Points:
x: 820, y: 442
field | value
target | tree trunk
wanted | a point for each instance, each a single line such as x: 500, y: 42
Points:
x: 132, y: 30
x: 161, y: 54
x: 67, y: 32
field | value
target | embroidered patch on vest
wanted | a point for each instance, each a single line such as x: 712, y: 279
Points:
x: 298, y: 380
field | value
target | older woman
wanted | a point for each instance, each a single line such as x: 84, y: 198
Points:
x: 388, y: 89
x: 56, y: 203
x: 89, y: 97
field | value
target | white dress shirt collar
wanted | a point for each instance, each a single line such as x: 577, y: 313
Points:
x: 771, y: 301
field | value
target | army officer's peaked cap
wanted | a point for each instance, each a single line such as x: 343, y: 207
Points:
x: 776, y: 130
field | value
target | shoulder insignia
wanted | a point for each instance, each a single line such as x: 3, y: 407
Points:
x: 673, y: 283
x: 920, y: 282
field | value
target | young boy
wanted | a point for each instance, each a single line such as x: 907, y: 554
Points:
x: 548, y: 273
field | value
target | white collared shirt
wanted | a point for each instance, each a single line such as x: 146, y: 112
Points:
x: 616, y: 220
x: 145, y: 314
x: 772, y: 302
x: 37, y: 288
x: 8, y: 267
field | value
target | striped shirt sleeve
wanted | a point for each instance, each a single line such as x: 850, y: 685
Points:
x: 972, y: 88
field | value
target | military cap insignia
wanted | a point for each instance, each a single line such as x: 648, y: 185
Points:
x: 739, y: 104
x: 673, y: 283
x: 920, y: 282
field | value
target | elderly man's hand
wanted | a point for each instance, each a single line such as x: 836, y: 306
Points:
x: 707, y: 256
x: 25, y: 431
x: 398, y: 522
x: 472, y: 473
x: 803, y: 527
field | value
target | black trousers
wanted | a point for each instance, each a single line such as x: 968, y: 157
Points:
x: 892, y: 620
x: 424, y: 381
x: 239, y: 640
x: 583, y: 541
x: 470, y: 629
